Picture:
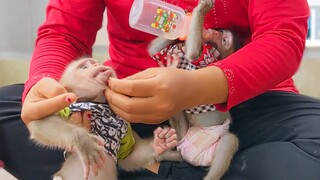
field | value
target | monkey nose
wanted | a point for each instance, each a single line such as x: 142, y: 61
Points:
x: 215, y: 33
x: 211, y: 35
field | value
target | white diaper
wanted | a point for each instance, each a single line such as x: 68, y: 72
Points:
x: 198, y: 145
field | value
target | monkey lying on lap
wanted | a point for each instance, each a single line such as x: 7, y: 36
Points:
x: 86, y: 78
x: 204, y: 139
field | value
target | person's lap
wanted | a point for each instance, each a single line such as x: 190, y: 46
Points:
x: 22, y: 158
x: 27, y: 160
x: 275, y: 143
x: 279, y: 136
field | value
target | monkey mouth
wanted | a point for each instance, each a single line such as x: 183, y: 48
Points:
x: 102, y: 74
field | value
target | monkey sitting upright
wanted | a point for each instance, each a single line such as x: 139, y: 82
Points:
x: 204, y: 139
x: 86, y: 78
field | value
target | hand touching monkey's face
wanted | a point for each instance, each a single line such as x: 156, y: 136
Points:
x: 222, y: 40
x: 87, y: 78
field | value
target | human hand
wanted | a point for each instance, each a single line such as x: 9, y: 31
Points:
x: 151, y: 96
x: 44, y: 98
x: 156, y: 94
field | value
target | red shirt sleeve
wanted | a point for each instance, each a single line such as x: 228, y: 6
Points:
x: 68, y: 33
x: 268, y: 62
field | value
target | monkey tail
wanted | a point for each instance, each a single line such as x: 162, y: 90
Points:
x: 225, y: 149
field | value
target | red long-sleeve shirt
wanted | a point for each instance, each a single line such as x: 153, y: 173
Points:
x: 274, y: 33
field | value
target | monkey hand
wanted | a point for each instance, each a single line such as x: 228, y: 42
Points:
x: 91, y: 152
x: 164, y: 139
x: 205, y: 5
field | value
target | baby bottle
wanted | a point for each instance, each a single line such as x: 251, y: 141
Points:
x: 159, y: 18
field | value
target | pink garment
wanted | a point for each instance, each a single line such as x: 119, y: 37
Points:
x: 197, y: 147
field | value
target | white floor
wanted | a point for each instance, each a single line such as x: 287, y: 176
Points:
x: 4, y: 175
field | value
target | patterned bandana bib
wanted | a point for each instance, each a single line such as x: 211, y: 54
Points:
x: 105, y: 124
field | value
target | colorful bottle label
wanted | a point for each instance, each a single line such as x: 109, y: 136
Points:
x: 165, y: 20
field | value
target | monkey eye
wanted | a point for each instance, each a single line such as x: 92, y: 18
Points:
x: 224, y: 41
x: 83, y: 67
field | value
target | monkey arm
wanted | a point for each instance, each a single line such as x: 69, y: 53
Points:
x: 141, y: 154
x: 55, y: 132
x: 194, y: 40
x: 158, y: 44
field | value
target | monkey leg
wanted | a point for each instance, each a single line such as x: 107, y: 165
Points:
x: 225, y: 149
x: 72, y: 169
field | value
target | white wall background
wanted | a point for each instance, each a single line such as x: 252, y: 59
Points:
x: 19, y: 20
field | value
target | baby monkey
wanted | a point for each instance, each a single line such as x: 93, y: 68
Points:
x: 111, y: 140
x: 203, y: 132
x: 219, y: 42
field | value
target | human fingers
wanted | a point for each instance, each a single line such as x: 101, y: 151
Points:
x: 152, y: 118
x: 161, y: 102
x: 39, y: 109
x: 137, y: 88
x: 129, y: 104
x: 140, y: 109
x: 44, y: 98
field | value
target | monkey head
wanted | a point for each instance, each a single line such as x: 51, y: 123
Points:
x: 87, y: 78
x: 223, y: 40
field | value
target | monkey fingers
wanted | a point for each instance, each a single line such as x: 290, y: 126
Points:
x: 161, y: 132
x: 164, y: 139
x: 91, y: 154
x: 172, y: 61
x: 171, y: 139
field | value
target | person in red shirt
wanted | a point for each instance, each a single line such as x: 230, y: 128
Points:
x: 278, y: 129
